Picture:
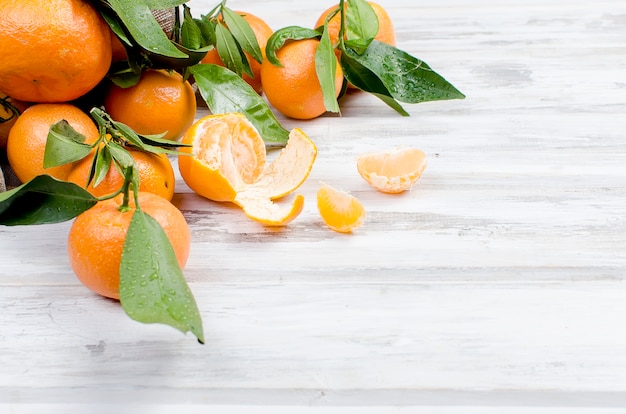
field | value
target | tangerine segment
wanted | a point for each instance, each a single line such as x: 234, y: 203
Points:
x: 392, y: 171
x: 227, y: 154
x: 340, y: 211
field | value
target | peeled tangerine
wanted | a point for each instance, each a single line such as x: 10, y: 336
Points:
x: 227, y: 162
x: 392, y: 171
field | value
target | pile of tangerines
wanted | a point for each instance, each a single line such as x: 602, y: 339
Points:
x: 55, y: 58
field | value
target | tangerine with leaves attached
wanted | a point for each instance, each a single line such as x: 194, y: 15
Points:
x: 294, y: 89
x: 96, y: 239
x: 27, y: 139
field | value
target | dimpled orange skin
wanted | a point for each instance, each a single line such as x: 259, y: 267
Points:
x: 262, y: 32
x: 161, y: 102
x: 27, y: 139
x: 96, y: 240
x: 156, y: 175
x: 52, y: 50
x: 294, y: 89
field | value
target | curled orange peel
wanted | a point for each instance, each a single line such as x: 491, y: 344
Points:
x: 227, y: 161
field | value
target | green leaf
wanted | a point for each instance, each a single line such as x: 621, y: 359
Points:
x: 226, y: 92
x: 144, y: 29
x: 207, y: 29
x: 191, y: 33
x: 366, y: 80
x: 281, y: 36
x: 126, y: 76
x: 163, y: 4
x: 64, y: 145
x: 406, y: 78
x: 243, y: 33
x: 229, y: 51
x: 326, y: 69
x: 152, y: 285
x: 43, y: 200
x: 362, y: 22
x: 100, y: 166
x: 120, y: 155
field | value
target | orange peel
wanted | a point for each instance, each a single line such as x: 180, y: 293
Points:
x: 227, y: 162
x: 392, y: 171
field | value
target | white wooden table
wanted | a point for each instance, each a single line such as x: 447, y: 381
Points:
x: 495, y: 286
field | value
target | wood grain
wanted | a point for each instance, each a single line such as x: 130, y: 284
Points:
x: 495, y: 285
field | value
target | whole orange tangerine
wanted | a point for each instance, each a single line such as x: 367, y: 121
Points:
x: 96, y: 239
x: 294, y: 89
x: 52, y: 50
x: 28, y: 136
x: 161, y: 102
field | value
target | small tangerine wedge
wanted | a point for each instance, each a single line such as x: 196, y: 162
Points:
x: 227, y: 161
x: 392, y: 171
x: 342, y: 212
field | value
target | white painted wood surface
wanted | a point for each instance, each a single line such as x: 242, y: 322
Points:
x: 495, y: 286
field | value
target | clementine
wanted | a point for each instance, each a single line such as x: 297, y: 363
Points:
x: 161, y: 102
x: 294, y: 89
x: 27, y: 139
x: 52, y: 50
x: 96, y: 239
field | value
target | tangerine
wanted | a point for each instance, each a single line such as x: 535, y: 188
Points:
x: 161, y: 102
x: 294, y: 89
x: 262, y: 32
x: 52, y: 50
x: 386, y: 32
x: 156, y: 175
x: 96, y: 239
x: 28, y: 136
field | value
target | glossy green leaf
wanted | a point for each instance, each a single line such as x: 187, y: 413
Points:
x: 326, y: 69
x: 43, y: 200
x: 362, y: 22
x: 366, y: 80
x: 279, y: 37
x: 64, y: 145
x: 162, y: 4
x: 120, y: 155
x: 406, y: 78
x: 100, y: 166
x: 230, y: 53
x: 243, y: 33
x: 152, y: 286
x: 191, y: 33
x: 144, y: 29
x: 224, y: 92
